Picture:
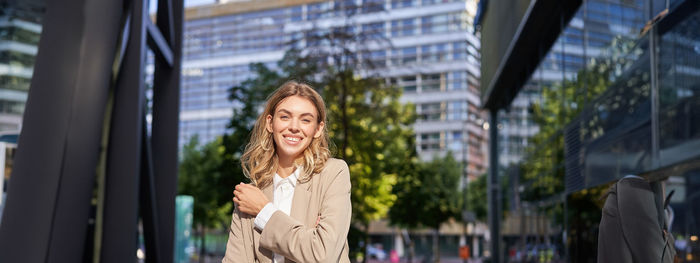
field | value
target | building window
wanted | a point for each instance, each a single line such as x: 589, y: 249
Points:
x: 430, y: 141
x: 431, y: 111
x: 402, y: 3
x: 430, y: 82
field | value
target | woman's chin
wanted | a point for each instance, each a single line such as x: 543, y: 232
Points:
x: 289, y: 154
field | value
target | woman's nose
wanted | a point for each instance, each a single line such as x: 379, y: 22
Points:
x: 294, y: 126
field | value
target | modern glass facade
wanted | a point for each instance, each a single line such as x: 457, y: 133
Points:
x: 623, y: 80
x: 588, y: 37
x: 20, y: 29
x: 433, y: 56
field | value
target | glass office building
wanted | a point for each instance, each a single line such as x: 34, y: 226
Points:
x: 624, y: 79
x: 588, y: 37
x: 433, y: 55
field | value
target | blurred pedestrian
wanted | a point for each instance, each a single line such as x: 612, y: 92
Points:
x: 297, y: 205
x: 393, y: 256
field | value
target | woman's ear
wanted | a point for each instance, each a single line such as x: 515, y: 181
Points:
x: 319, y: 129
x: 268, y: 123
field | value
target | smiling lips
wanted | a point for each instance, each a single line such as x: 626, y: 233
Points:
x: 291, y: 139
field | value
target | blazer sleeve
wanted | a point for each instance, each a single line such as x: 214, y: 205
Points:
x: 323, y: 243
x: 235, y: 248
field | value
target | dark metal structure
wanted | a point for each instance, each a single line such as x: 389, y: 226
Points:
x: 88, y: 88
x: 539, y: 28
x: 534, y: 33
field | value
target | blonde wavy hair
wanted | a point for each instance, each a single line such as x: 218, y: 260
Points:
x: 259, y: 159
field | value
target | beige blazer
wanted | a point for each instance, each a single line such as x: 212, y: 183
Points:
x: 296, y: 236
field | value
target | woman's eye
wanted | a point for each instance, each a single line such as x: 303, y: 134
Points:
x: 284, y: 117
x: 306, y: 121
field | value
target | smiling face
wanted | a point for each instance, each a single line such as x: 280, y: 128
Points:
x: 294, y: 124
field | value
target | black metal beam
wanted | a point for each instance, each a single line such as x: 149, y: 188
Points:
x: 165, y: 124
x: 147, y: 199
x: 676, y: 15
x: 119, y: 240
x: 123, y: 42
x: 493, y: 185
x: 77, y: 64
x: 158, y: 44
x: 539, y: 29
x: 168, y: 12
x: 48, y: 199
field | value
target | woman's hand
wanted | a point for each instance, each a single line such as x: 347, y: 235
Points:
x: 250, y: 199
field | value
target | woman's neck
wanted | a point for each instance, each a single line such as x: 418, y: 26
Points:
x: 285, y: 168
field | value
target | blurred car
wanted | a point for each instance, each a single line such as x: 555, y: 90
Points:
x: 375, y: 252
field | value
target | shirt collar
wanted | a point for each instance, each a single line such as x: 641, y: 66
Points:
x: 292, y: 178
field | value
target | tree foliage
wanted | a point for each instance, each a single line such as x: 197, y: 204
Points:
x: 371, y: 128
x: 440, y: 180
x: 200, y: 172
x: 409, y: 197
x: 428, y: 195
x: 477, y: 197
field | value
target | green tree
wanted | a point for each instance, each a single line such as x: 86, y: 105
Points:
x: 408, y: 193
x: 443, y: 199
x: 477, y: 198
x: 371, y: 129
x: 200, y: 172
x: 429, y: 196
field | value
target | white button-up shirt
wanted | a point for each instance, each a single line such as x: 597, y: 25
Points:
x: 282, y: 200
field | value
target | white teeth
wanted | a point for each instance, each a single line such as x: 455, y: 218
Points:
x: 292, y: 139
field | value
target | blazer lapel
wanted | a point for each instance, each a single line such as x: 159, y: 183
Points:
x: 264, y: 255
x: 300, y: 201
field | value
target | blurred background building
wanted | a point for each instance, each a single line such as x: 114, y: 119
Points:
x: 432, y: 53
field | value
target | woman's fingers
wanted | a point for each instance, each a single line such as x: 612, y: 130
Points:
x: 249, y: 199
x: 242, y: 187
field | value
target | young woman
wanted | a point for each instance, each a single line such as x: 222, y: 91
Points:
x: 297, y: 208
